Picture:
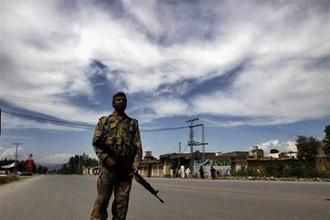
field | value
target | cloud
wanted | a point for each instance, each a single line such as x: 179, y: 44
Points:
x: 280, y: 146
x: 145, y: 13
x: 169, y: 107
x: 40, y: 60
x: 61, y: 158
x: 274, y: 94
x: 160, y: 51
x: 9, y: 153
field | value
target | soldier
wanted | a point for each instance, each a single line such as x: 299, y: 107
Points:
x: 120, y: 134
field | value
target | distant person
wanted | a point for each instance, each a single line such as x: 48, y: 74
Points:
x: 116, y: 138
x: 201, y: 172
x: 182, y: 171
x: 171, y: 173
x: 188, y: 172
x: 228, y: 172
x: 213, y: 172
x: 29, y: 164
x: 176, y: 172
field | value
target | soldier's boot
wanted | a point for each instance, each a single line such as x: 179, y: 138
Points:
x: 120, y: 204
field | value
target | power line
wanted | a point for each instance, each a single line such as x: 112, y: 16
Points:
x: 47, y: 120
x: 79, y: 124
x: 64, y: 105
x: 163, y: 129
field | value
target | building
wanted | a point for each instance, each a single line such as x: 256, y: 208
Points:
x: 255, y: 152
x: 153, y: 167
x: 238, y: 160
x: 150, y: 166
x: 225, y: 163
x: 7, y: 169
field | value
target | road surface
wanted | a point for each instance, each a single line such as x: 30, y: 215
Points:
x: 59, y: 197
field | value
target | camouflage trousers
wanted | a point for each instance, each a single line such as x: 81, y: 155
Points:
x: 109, y: 181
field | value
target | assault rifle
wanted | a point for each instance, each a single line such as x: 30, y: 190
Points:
x: 124, y: 166
x: 146, y: 185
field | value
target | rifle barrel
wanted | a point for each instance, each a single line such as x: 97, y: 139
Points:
x: 146, y: 185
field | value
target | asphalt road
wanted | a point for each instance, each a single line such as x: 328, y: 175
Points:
x: 72, y: 197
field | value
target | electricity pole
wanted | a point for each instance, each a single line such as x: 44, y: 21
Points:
x: 16, y: 152
x: 192, y: 143
x: 0, y: 121
x: 179, y: 153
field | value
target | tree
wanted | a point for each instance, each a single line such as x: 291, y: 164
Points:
x: 76, y: 163
x: 307, y: 148
x: 326, y: 141
x: 41, y: 169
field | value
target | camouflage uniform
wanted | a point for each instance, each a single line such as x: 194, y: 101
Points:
x: 121, y: 134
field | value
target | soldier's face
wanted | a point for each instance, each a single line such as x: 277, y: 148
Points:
x: 119, y: 103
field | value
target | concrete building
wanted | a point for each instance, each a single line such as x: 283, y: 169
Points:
x: 255, y: 152
x: 150, y: 166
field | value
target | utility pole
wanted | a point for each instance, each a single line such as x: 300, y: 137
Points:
x: 179, y: 153
x: 192, y: 143
x: 16, y: 153
x: 0, y: 121
x: 203, y: 142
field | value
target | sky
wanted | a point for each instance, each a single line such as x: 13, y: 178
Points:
x: 253, y: 72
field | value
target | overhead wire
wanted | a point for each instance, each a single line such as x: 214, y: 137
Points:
x: 63, y: 104
x: 86, y: 126
x: 79, y: 124
x: 163, y: 129
x: 48, y: 120
x: 66, y: 123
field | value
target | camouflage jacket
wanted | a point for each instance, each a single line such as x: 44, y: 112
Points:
x: 121, y: 135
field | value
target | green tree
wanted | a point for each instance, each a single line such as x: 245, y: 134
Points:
x: 6, y: 161
x: 41, y: 169
x: 326, y: 141
x: 274, y: 168
x: 76, y: 163
x: 307, y: 148
x: 64, y: 170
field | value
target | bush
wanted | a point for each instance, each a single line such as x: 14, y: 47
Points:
x: 246, y: 172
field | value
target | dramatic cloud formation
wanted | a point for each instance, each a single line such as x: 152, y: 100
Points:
x: 264, y: 62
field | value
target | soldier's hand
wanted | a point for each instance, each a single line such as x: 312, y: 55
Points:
x: 109, y: 162
x: 135, y: 168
